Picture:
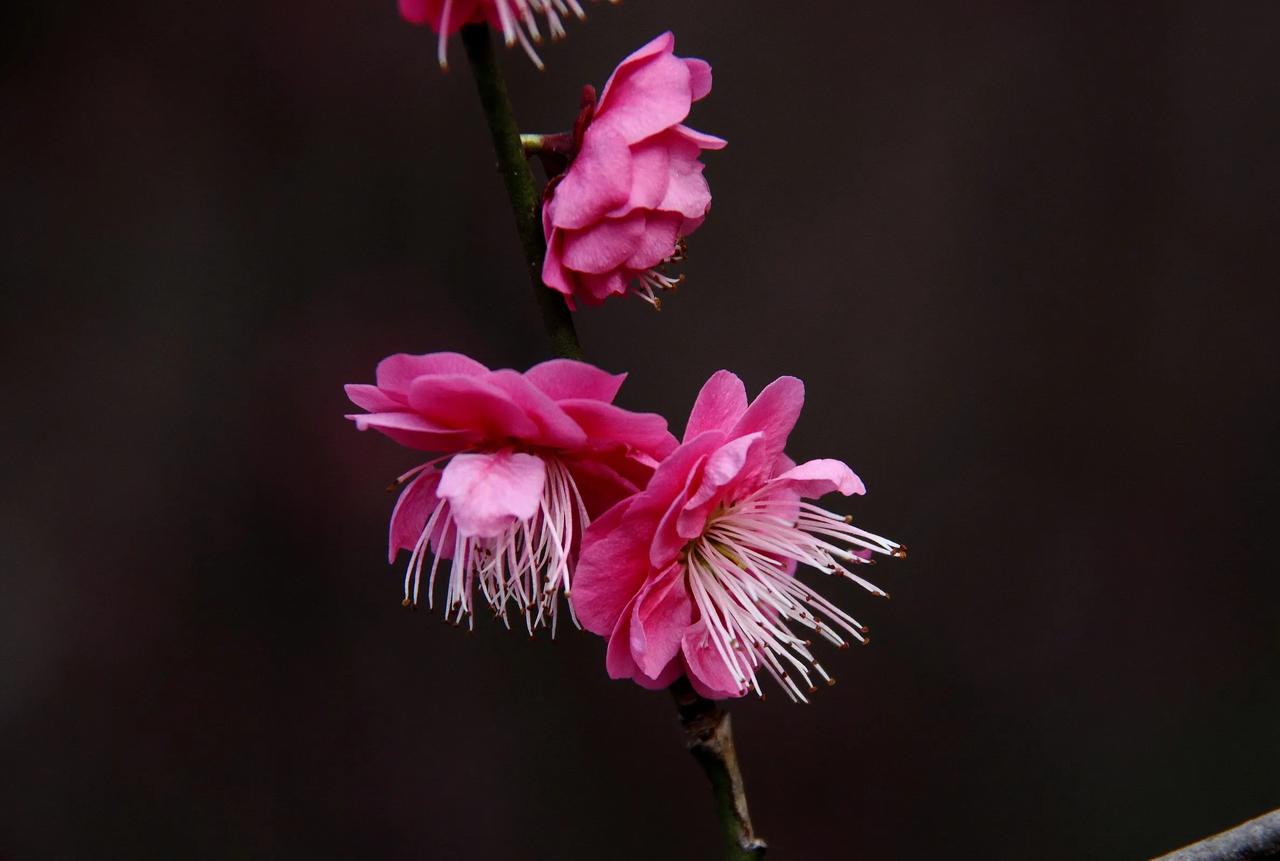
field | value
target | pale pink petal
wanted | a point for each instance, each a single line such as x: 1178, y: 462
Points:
x: 719, y: 405
x: 815, y: 478
x: 659, y: 616
x: 470, y: 403
x: 413, y: 431
x: 699, y: 77
x: 373, y: 399
x: 487, y: 492
x: 708, y: 672
x: 409, y: 517
x: 562, y: 379
x: 604, y: 246
x: 555, y: 428
x: 396, y: 373
x: 657, y: 243
x: 598, y: 181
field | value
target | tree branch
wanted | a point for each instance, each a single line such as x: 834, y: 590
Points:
x: 517, y: 177
x: 709, y: 736
x: 1257, y: 838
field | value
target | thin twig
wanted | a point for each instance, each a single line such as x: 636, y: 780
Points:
x: 1257, y: 838
x: 709, y: 736
x: 517, y: 177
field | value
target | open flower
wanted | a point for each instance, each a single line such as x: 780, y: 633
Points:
x: 696, y: 574
x: 516, y: 19
x: 635, y: 189
x: 527, y: 460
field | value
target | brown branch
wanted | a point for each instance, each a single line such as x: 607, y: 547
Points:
x: 1257, y: 838
x: 709, y: 737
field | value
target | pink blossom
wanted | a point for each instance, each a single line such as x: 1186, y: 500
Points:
x: 695, y: 575
x: 516, y: 19
x: 635, y: 189
x: 527, y: 460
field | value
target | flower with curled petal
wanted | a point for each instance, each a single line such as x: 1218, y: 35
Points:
x: 527, y: 460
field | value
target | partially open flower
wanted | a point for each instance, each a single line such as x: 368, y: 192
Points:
x: 634, y: 189
x: 695, y: 575
x: 528, y: 459
x: 517, y: 20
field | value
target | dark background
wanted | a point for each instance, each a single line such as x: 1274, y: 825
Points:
x: 1022, y: 254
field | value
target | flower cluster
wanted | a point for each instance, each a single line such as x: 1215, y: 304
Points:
x: 685, y: 555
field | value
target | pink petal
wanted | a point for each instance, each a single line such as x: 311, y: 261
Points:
x: 413, y: 431
x: 372, y: 398
x: 657, y: 243
x: 659, y: 616
x: 644, y: 98
x: 555, y: 428
x: 699, y: 77
x: 601, y: 484
x: 470, y: 403
x: 687, y: 191
x: 650, y: 173
x: 606, y: 424
x: 668, y: 540
x: 708, y: 672
x: 664, y: 43
x: 719, y: 405
x: 487, y: 492
x: 598, y: 180
x: 722, y: 467
x: 604, y: 246
x: 409, y: 517
x: 597, y: 288
x: 396, y: 373
x: 561, y: 379
x: 611, y: 568
x: 554, y: 273
x: 774, y: 412
x: 817, y: 478
x: 704, y: 141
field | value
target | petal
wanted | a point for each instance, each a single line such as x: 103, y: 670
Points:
x: 413, y: 431
x: 646, y: 97
x: 561, y: 379
x: 816, y: 478
x: 687, y: 191
x: 699, y: 77
x: 719, y: 405
x: 413, y: 508
x: 555, y: 427
x: 604, y: 246
x: 470, y: 403
x: 606, y: 424
x: 373, y: 398
x: 657, y: 243
x: 723, y: 466
x: 704, y: 141
x: 774, y: 412
x: 597, y: 288
x: 396, y: 373
x: 708, y: 672
x: 611, y: 569
x: 650, y: 174
x: 659, y: 617
x: 487, y: 492
x: 663, y: 44
x: 598, y: 180
x: 554, y: 273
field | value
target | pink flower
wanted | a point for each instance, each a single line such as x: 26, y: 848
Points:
x: 635, y: 189
x: 527, y: 460
x: 516, y: 19
x: 695, y: 574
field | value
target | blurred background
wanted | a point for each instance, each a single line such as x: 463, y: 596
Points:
x: 1023, y: 255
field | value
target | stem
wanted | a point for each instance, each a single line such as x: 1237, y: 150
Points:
x: 1257, y: 838
x: 709, y: 736
x: 523, y: 194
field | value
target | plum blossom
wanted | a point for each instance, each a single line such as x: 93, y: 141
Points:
x: 517, y: 20
x: 635, y: 188
x: 526, y: 461
x: 695, y: 575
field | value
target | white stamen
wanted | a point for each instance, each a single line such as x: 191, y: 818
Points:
x: 738, y: 580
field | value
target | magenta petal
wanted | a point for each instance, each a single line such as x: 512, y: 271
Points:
x: 815, y: 478
x: 554, y: 273
x: 397, y: 373
x: 708, y: 671
x: 699, y: 77
x: 372, y: 398
x: 661, y: 613
x: 658, y: 242
x: 611, y: 568
x: 604, y: 246
x: 413, y: 431
x: 597, y: 288
x: 618, y: 661
x: 606, y: 424
x: 487, y: 492
x: 722, y: 467
x: 774, y: 412
x: 470, y: 403
x: 665, y: 677
x: 409, y: 517
x: 719, y: 405
x: 561, y: 379
x: 598, y: 180
x: 555, y: 428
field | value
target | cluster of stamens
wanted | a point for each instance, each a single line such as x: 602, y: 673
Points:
x: 519, y: 22
x: 651, y: 282
x: 520, y: 572
x: 738, y: 578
